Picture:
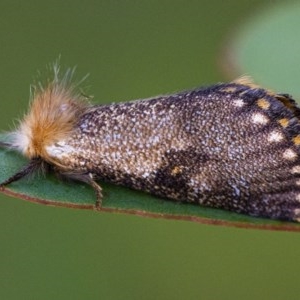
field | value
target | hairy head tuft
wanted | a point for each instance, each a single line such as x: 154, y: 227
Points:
x: 53, y: 113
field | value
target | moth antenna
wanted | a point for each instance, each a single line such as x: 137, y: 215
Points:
x: 5, y: 145
x: 35, y: 164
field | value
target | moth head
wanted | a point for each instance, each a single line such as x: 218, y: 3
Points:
x: 52, y: 115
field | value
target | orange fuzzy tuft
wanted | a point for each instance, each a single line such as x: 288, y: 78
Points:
x: 52, y: 115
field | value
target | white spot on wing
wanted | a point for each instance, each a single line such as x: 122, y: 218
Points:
x: 259, y: 118
x: 289, y: 154
x: 239, y: 103
x: 295, y: 170
x: 297, y: 212
x: 275, y: 136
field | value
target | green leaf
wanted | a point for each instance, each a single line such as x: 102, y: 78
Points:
x: 51, y: 191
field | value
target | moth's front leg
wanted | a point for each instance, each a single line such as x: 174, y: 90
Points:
x: 87, y: 178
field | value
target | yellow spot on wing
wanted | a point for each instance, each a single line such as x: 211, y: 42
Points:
x: 263, y: 103
x: 284, y: 122
x: 296, y: 140
x: 176, y: 170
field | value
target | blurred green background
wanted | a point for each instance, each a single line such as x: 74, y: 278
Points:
x: 132, y: 49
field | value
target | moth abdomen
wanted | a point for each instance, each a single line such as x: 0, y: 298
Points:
x: 233, y: 146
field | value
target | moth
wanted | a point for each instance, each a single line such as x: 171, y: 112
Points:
x: 233, y: 146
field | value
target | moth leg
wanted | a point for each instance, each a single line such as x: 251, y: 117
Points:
x: 36, y: 164
x: 88, y: 179
x: 97, y: 188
